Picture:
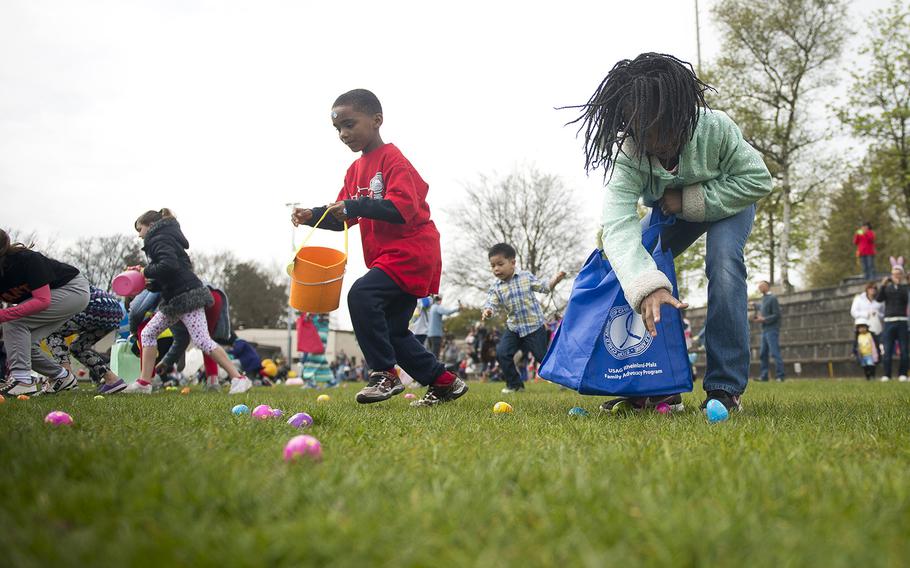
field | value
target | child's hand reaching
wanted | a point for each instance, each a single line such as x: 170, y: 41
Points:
x: 671, y: 203
x: 557, y: 279
x: 650, y: 308
x: 301, y: 216
x: 487, y: 313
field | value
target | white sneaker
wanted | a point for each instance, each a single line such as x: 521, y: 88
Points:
x: 507, y: 390
x: 136, y: 388
x: 12, y: 387
x: 885, y: 379
x: 902, y: 378
x: 240, y: 385
x: 53, y: 386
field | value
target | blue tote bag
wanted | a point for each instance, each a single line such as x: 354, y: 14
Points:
x: 602, y: 346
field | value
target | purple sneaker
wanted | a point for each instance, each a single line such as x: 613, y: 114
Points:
x: 112, y: 389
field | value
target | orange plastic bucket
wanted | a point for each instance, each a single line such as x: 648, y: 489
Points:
x: 317, y: 274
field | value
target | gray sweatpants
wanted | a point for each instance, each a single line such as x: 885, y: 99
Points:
x: 22, y: 337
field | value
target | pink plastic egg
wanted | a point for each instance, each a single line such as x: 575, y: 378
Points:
x: 58, y: 418
x: 302, y: 447
x: 663, y: 408
x: 410, y: 395
x: 262, y: 412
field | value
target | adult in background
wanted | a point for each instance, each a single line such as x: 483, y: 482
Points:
x: 864, y: 239
x: 769, y: 317
x: 893, y: 293
x: 866, y: 308
x: 434, y: 332
x: 420, y: 321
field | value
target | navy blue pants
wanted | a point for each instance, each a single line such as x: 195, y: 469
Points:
x: 895, y: 332
x: 510, y: 343
x: 380, y: 312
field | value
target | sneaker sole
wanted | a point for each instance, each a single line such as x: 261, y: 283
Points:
x: 395, y: 391
x: 115, y: 390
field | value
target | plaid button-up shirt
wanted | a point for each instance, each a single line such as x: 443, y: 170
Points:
x: 516, y: 297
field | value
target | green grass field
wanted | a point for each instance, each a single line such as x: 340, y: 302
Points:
x: 812, y: 473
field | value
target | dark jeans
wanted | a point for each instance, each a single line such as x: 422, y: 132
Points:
x: 434, y: 345
x: 510, y: 343
x: 380, y: 313
x: 868, y: 262
x: 770, y: 344
x: 895, y: 331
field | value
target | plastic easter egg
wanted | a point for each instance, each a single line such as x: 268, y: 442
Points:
x: 81, y: 373
x: 2, y: 399
x: 240, y: 409
x: 300, y: 420
x: 578, y: 411
x: 262, y: 412
x: 99, y: 397
x: 170, y: 388
x: 185, y: 390
x: 302, y: 447
x: 502, y: 408
x: 662, y: 408
x: 716, y: 411
x: 323, y: 398
x: 23, y: 397
x: 410, y: 395
x: 277, y: 413
x: 58, y: 418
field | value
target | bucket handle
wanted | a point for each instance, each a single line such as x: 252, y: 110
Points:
x: 319, y: 283
x: 313, y: 230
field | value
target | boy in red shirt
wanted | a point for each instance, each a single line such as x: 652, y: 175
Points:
x: 385, y: 195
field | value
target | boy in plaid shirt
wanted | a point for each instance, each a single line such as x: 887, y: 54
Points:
x: 525, y: 326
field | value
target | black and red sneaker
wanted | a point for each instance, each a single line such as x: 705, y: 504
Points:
x: 383, y: 385
x: 730, y: 401
x: 644, y: 403
x: 437, y: 394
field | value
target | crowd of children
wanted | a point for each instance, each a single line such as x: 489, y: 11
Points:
x: 649, y: 130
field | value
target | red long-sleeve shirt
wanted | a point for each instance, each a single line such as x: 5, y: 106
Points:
x: 865, y: 242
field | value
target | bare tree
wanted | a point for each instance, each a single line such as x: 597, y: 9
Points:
x: 213, y: 267
x: 531, y: 211
x: 776, y: 57
x: 100, y: 259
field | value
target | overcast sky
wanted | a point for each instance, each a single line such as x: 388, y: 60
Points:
x: 220, y: 109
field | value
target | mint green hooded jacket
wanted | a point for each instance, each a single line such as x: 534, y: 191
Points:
x: 720, y: 175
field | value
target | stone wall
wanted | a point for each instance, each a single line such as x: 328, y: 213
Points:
x: 816, y: 332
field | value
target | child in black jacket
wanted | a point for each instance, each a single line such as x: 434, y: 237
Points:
x: 183, y: 297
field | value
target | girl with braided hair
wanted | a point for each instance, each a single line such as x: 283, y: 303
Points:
x: 648, y: 127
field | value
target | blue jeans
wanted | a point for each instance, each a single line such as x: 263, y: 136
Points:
x: 726, y: 336
x: 770, y: 345
x: 510, y: 343
x: 868, y: 262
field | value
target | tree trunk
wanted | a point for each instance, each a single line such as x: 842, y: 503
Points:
x: 785, y: 231
x: 771, y: 247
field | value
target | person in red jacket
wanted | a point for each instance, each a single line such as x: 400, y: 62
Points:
x: 385, y: 195
x: 864, y: 239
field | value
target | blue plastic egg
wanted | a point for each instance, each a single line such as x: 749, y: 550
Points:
x: 578, y: 411
x: 240, y: 409
x: 716, y: 411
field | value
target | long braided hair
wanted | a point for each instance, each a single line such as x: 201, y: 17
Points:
x: 652, y: 90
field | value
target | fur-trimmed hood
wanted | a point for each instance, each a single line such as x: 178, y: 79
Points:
x: 169, y: 226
